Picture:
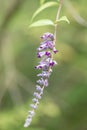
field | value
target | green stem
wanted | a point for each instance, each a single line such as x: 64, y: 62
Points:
x: 57, y: 18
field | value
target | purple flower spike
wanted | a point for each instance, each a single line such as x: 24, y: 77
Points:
x: 45, y: 52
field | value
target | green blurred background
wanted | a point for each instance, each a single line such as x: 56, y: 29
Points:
x: 64, y: 103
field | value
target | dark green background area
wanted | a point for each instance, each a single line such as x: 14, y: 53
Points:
x: 64, y: 103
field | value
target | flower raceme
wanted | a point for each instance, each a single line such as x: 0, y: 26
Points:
x: 45, y: 52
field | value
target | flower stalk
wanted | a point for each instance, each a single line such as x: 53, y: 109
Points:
x: 45, y: 53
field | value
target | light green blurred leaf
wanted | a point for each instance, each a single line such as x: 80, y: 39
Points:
x: 63, y: 18
x: 42, y: 22
x: 42, y: 2
x: 44, y: 6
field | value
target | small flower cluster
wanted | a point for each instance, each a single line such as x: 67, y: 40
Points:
x: 45, y: 53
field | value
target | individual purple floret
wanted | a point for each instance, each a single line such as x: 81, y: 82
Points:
x: 34, y: 106
x: 43, y: 82
x: 44, y: 74
x: 35, y: 100
x: 46, y: 45
x: 48, y: 53
x: 40, y: 66
x: 27, y: 122
x: 54, y: 50
x: 37, y: 95
x: 47, y: 36
x: 38, y: 88
x: 45, y: 53
x: 40, y: 54
x: 46, y: 82
x: 52, y: 63
x: 31, y: 113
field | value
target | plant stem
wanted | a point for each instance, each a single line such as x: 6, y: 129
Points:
x: 57, y: 17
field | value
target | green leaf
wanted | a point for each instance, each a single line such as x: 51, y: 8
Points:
x: 63, y: 18
x: 44, y: 6
x: 42, y: 22
x: 42, y: 2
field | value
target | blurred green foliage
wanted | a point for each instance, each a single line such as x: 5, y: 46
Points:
x: 64, y: 104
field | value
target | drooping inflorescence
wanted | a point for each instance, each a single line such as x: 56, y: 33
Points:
x: 45, y: 52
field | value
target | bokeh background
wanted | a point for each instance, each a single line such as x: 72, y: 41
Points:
x: 64, y: 103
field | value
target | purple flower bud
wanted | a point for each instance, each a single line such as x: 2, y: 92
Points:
x: 41, y: 65
x: 44, y: 74
x: 31, y: 113
x: 35, y: 100
x: 47, y: 36
x: 46, y: 83
x: 46, y: 67
x: 37, y: 95
x: 38, y: 88
x: 50, y: 44
x: 47, y: 53
x: 33, y: 106
x: 49, y: 62
x: 52, y: 63
x: 38, y: 67
x: 43, y: 82
x: 42, y: 47
x: 40, y: 81
x: 40, y: 75
x: 40, y: 54
x: 27, y: 122
x: 54, y: 50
